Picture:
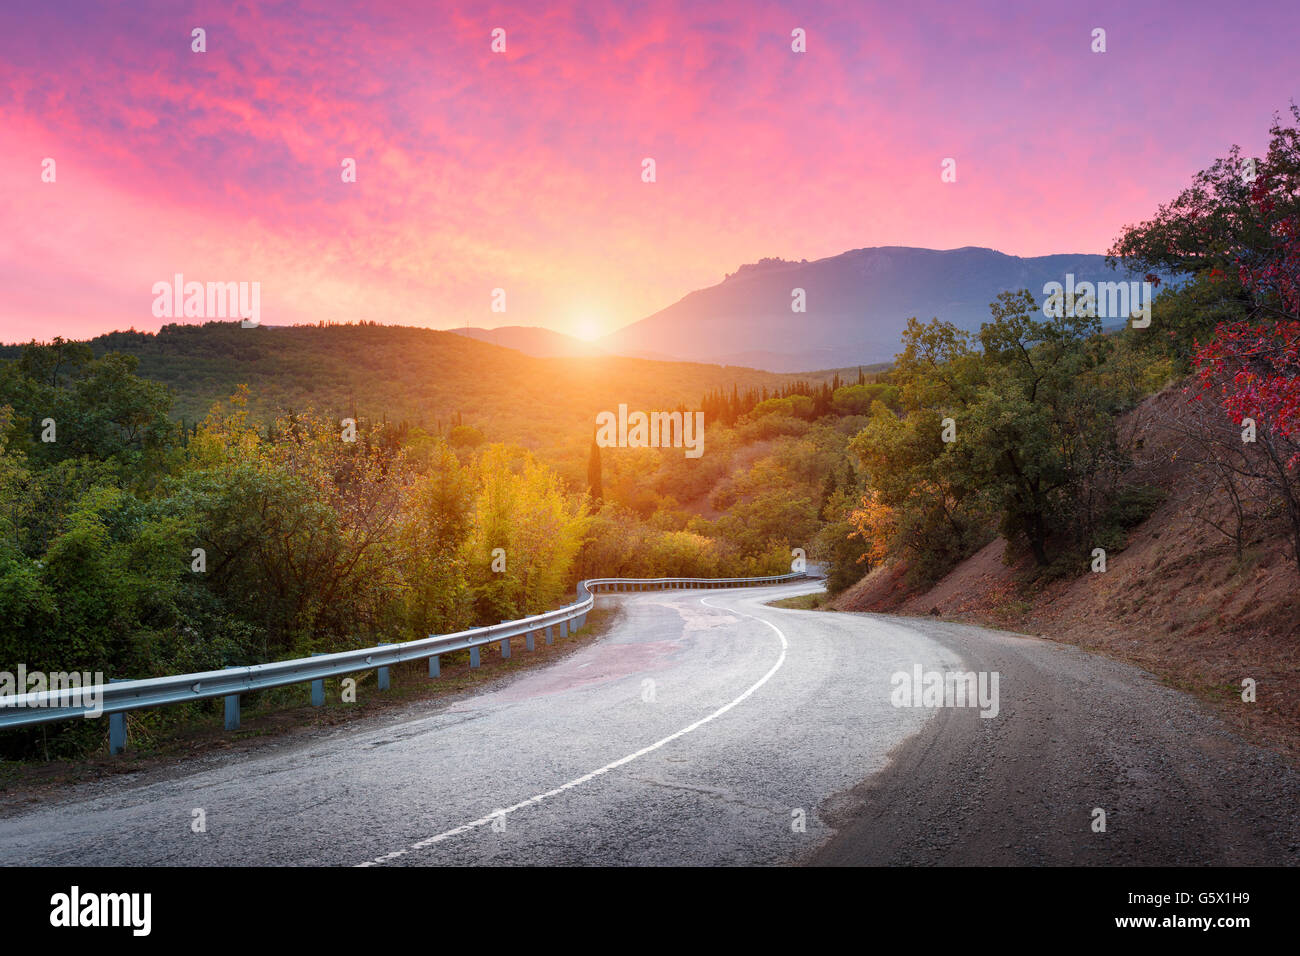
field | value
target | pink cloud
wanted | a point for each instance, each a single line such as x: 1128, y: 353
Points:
x: 521, y: 171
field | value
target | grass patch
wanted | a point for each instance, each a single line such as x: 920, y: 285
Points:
x: 801, y: 602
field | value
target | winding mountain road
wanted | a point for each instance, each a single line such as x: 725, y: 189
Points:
x: 709, y: 728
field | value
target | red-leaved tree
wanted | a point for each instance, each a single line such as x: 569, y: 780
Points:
x: 1253, y: 367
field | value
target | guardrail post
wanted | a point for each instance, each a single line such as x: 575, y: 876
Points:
x: 116, y: 726
x: 564, y: 629
x: 473, y: 657
x: 232, y: 705
x: 505, y: 643
x: 435, y: 666
x: 529, y: 643
x: 382, y: 672
x: 550, y: 636
x: 318, y: 686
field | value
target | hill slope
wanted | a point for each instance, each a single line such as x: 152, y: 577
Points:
x: 1176, y: 601
x: 424, y: 376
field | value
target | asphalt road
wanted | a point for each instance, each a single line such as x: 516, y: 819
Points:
x: 707, y: 728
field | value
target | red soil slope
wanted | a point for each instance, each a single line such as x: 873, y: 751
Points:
x: 1176, y: 601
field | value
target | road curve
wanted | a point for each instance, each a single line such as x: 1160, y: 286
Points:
x: 703, y: 728
x: 708, y: 728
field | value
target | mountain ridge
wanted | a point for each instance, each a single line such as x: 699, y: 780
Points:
x: 856, y: 305
x: 535, y: 340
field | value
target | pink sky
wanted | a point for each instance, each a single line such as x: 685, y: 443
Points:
x: 523, y: 171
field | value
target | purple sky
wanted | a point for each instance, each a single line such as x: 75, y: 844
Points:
x: 522, y: 170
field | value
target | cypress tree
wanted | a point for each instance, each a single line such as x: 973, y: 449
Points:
x: 593, y: 473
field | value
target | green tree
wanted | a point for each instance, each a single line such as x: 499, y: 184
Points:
x: 1042, y: 425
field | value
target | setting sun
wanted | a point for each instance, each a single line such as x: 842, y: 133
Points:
x: 588, y: 329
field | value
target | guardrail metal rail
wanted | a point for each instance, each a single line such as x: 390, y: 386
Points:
x: 118, y: 697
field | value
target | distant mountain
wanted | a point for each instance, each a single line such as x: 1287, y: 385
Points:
x: 534, y: 340
x: 858, y: 303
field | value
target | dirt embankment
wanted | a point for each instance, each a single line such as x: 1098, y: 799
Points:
x: 1177, y: 600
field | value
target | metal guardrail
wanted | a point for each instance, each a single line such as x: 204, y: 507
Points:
x: 118, y: 697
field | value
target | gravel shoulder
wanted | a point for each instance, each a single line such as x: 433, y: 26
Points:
x: 1075, y: 732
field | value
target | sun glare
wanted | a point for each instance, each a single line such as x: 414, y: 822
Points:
x: 587, y: 329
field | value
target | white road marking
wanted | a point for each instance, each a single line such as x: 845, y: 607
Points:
x: 531, y: 801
